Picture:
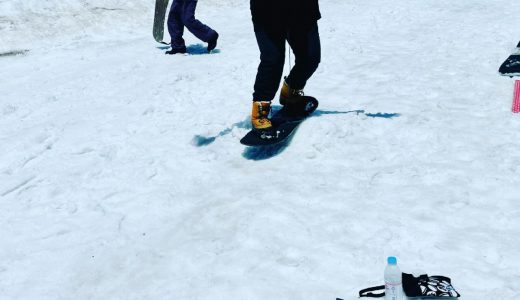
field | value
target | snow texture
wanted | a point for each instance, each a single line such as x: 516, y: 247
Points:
x: 122, y: 175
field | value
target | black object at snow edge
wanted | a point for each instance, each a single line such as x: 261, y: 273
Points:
x: 14, y: 53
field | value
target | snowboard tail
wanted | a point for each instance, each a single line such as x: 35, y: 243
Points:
x: 159, y: 18
x: 511, y: 66
x: 285, y: 122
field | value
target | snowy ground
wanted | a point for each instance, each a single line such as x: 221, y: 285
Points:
x: 121, y: 174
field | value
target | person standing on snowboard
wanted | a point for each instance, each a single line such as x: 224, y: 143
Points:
x: 182, y: 13
x: 275, y: 22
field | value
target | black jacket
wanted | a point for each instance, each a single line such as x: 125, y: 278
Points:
x: 278, y: 14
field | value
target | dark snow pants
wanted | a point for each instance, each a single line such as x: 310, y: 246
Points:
x: 305, y: 43
x: 182, y: 13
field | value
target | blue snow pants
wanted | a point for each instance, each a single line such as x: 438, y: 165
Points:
x: 182, y: 14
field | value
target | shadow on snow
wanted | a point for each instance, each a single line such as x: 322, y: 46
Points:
x: 200, y: 49
x: 267, y: 152
x: 14, y: 53
x: 195, y: 49
x: 201, y: 141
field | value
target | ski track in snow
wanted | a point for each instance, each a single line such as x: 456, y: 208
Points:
x: 122, y: 176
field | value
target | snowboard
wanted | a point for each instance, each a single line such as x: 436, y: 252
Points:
x: 158, y: 22
x: 511, y: 67
x: 285, y: 122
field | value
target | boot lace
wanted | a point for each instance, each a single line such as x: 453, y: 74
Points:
x: 262, y: 112
x: 298, y: 93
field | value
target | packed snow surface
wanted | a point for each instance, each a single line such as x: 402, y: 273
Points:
x: 122, y: 175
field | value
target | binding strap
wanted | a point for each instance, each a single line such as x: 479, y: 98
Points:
x: 367, y: 292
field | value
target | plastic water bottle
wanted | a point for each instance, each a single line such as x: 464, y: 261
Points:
x: 393, y: 280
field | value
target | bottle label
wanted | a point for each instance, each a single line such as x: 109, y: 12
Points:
x: 393, y: 291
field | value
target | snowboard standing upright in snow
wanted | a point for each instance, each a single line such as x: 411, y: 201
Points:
x: 275, y: 23
x: 158, y: 21
x: 182, y: 14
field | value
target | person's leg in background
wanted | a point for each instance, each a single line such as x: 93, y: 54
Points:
x: 176, y: 28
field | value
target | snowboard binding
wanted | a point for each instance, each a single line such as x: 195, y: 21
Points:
x: 303, y: 108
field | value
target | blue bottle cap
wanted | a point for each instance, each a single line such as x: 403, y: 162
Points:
x: 392, y: 260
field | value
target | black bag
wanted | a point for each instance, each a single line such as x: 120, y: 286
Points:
x: 422, y: 287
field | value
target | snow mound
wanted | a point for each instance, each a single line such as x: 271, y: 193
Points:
x: 30, y: 24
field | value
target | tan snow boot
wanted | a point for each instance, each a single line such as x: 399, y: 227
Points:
x: 289, y: 96
x: 260, y: 114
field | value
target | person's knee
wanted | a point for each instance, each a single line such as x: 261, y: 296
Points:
x: 314, y: 60
x: 314, y: 53
x: 273, y: 58
x: 315, y: 50
x: 188, y: 20
x: 309, y: 62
